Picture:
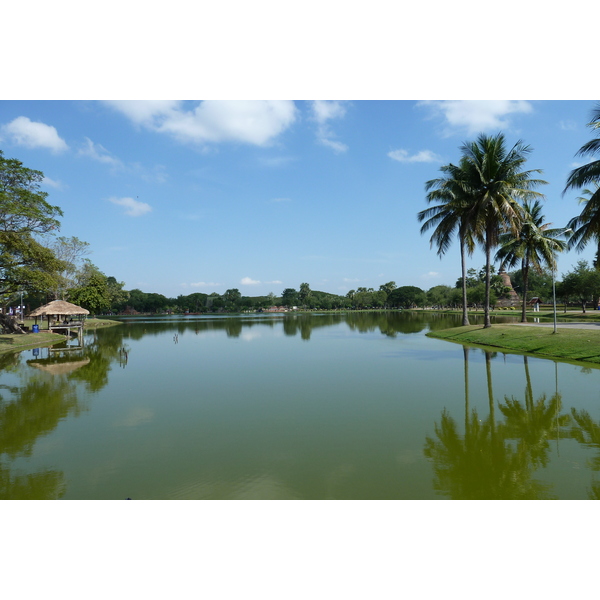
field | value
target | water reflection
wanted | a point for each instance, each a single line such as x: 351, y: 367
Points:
x: 496, y: 459
x: 185, y: 408
x: 587, y: 432
x: 47, y: 393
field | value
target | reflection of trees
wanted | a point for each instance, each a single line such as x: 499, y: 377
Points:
x: 534, y: 422
x: 35, y: 408
x: 485, y: 463
x: 587, y: 432
x: 35, y: 411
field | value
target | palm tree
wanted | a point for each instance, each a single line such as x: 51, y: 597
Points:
x: 450, y: 217
x: 534, y: 246
x: 586, y: 226
x: 589, y: 173
x: 497, y: 182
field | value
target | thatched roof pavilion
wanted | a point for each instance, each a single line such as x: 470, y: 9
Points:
x: 61, y: 312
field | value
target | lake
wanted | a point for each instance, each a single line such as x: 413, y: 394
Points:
x: 294, y: 406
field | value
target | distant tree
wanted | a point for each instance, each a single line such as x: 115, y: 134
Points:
x: 289, y: 297
x: 232, y: 298
x: 94, y: 295
x: 72, y: 252
x: 582, y: 283
x: 439, y: 295
x: 304, y: 294
x: 407, y: 296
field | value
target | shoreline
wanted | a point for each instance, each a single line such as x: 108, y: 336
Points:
x: 571, y: 344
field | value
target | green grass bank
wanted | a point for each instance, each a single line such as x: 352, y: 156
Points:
x: 568, y: 344
x: 12, y: 342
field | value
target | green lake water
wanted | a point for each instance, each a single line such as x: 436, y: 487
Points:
x: 356, y: 406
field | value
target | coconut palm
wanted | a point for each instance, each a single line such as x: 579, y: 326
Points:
x: 534, y: 246
x: 586, y: 226
x: 450, y: 217
x: 497, y: 183
x: 589, y: 173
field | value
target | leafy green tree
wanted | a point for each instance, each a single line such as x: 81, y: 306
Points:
x: 534, y: 246
x: 497, y: 181
x: 25, y: 263
x: 231, y: 298
x: 71, y: 251
x: 439, y: 295
x: 289, y: 297
x: 582, y: 283
x: 304, y: 294
x: 451, y: 216
x: 94, y: 295
x: 407, y: 296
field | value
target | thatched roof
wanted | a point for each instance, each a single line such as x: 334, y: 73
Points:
x: 59, y: 307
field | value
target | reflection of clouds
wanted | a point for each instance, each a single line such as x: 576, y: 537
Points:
x: 249, y: 335
x: 136, y: 416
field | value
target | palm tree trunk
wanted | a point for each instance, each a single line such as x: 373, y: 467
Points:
x: 486, y: 308
x: 465, y: 320
x: 488, y: 369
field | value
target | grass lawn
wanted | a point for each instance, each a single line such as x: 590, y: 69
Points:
x: 13, y: 342
x: 567, y: 344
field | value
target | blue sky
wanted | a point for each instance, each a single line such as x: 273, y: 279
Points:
x: 181, y: 197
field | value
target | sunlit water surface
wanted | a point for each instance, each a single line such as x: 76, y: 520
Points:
x: 357, y: 406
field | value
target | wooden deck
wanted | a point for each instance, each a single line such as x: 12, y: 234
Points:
x: 66, y: 328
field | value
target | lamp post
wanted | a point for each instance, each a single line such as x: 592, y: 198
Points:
x: 554, y: 292
x: 565, y: 232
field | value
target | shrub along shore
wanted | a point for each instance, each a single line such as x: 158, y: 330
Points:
x: 567, y: 344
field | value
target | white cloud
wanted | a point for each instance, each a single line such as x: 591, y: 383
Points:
x: 33, y: 134
x: 568, y: 125
x: 99, y: 153
x: 204, y: 284
x: 133, y: 208
x: 430, y: 275
x: 476, y: 116
x: 51, y: 183
x: 322, y: 112
x: 255, y: 122
x: 422, y: 156
x: 249, y: 281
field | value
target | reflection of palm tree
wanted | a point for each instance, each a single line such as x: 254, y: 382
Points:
x: 587, y: 432
x: 480, y: 464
